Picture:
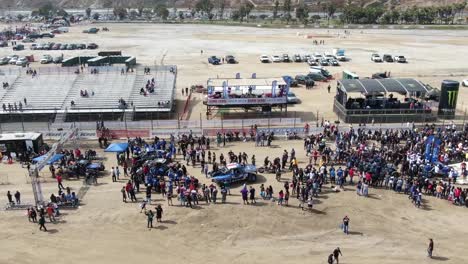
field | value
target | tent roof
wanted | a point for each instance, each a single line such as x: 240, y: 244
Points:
x: 54, y: 158
x: 369, y: 86
x: 117, y: 147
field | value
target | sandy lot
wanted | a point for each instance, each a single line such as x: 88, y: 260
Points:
x: 386, y: 228
x: 433, y: 55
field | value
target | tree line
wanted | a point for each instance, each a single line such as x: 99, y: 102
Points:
x: 281, y: 10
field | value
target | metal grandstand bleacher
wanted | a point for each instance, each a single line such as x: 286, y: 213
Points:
x: 52, y: 91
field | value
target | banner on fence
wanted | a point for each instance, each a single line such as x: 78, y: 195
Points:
x: 175, y: 132
x: 248, y: 101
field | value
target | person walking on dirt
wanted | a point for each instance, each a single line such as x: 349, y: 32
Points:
x: 346, y: 225
x: 159, y: 212
x: 18, y: 197
x: 336, y: 254
x: 114, y: 179
x: 149, y: 216
x: 430, y: 248
x: 252, y: 195
x: 124, y: 195
x: 329, y: 88
x: 59, y: 182
x: 10, y: 198
x: 42, y: 223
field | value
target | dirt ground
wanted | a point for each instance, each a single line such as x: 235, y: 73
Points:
x: 385, y: 228
x: 433, y: 55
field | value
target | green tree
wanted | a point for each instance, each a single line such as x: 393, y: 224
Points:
x: 88, y: 12
x: 181, y: 15
x: 47, y: 10
x: 275, y: 10
x: 96, y: 16
x: 330, y: 9
x: 302, y: 13
x: 120, y: 12
x: 222, y: 6
x: 19, y: 17
x: 287, y: 7
x: 204, y: 6
x: 162, y: 11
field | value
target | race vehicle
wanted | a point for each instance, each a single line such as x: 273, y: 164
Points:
x: 234, y: 172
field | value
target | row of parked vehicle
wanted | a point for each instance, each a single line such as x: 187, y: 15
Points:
x: 25, y: 60
x: 60, y: 46
x: 375, y: 57
x: 229, y: 59
x: 316, y: 59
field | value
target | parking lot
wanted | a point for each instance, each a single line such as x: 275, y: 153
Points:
x: 190, y: 46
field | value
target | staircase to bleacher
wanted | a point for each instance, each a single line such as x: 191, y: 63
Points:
x: 73, y: 91
x: 18, y: 81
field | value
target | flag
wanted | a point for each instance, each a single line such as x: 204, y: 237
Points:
x: 273, y: 88
x: 225, y: 91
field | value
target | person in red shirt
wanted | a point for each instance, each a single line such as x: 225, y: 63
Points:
x: 59, y: 182
x: 50, y: 213
x: 351, y: 175
x: 368, y: 177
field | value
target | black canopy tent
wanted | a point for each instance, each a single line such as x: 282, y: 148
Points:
x: 380, y: 99
x: 369, y: 86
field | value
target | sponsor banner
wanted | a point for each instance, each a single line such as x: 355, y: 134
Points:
x: 87, y: 134
x: 282, y: 130
x: 175, y: 132
x: 248, y: 101
x: 211, y: 132
x: 131, y: 133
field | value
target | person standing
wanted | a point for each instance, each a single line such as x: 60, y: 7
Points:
x: 244, y: 193
x: 159, y: 212
x: 59, y: 182
x: 42, y: 223
x: 430, y: 248
x: 124, y: 195
x: 10, y: 198
x: 329, y: 88
x: 114, y: 179
x: 149, y: 216
x: 117, y: 172
x: 336, y: 254
x: 346, y: 225
x: 252, y: 195
x: 50, y: 213
x: 223, y: 194
x: 18, y: 197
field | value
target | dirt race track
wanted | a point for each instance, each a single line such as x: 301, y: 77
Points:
x: 385, y: 228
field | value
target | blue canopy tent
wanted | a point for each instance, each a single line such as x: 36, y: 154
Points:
x: 54, y: 158
x: 117, y: 147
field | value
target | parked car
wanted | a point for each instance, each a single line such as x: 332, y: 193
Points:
x: 307, y: 57
x: 324, y: 62
x: 28, y: 40
x: 48, y: 46
x: 64, y: 47
x: 92, y: 46
x: 400, y: 59
x: 4, y: 60
x: 81, y: 46
x: 46, y: 59
x: 18, y: 47
x: 376, y: 58
x: 297, y: 58
x: 286, y: 58
x: 388, y: 58
x: 58, y: 59
x: 47, y: 35
x: 91, y: 31
x: 34, y: 36
x: 316, y: 77
x: 71, y: 47
x: 302, y: 79
x: 292, y: 98
x: 13, y: 59
x: 3, y: 44
x: 312, y: 62
x: 234, y: 172
x: 333, y: 62
x: 23, y: 62
x: 329, y: 56
x: 465, y: 83
x: 230, y: 59
x: 213, y: 60
x: 275, y: 58
x: 56, y: 46
x: 317, y: 57
x: 264, y: 59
